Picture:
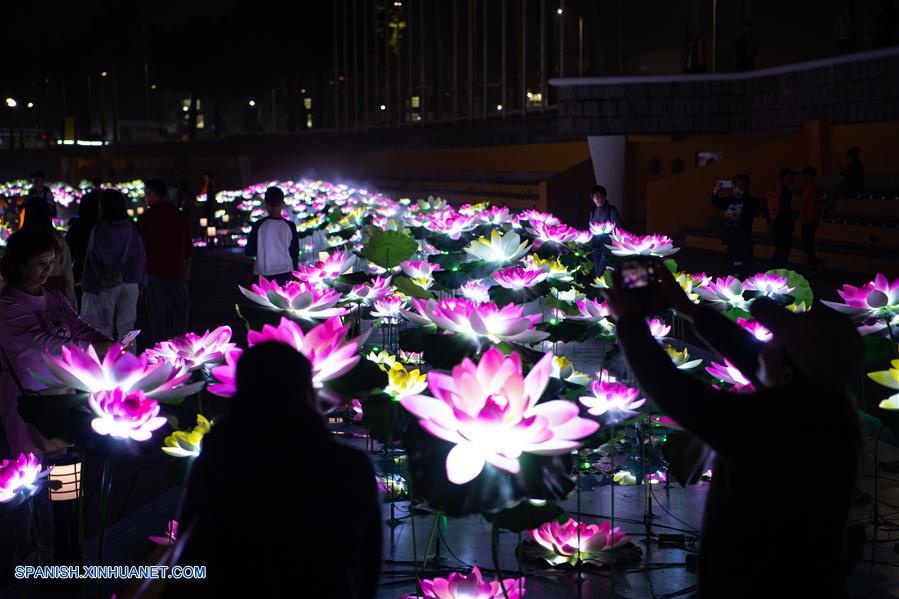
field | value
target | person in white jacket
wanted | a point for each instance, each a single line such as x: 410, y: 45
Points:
x: 273, y: 241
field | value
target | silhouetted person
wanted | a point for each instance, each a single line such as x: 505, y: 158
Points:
x: 166, y: 234
x: 854, y: 172
x: 810, y: 213
x: 736, y: 232
x: 40, y: 191
x: 604, y: 212
x: 780, y: 216
x: 209, y: 191
x: 746, y: 48
x: 693, y: 56
x: 844, y: 29
x: 79, y: 232
x: 787, y: 448
x: 273, y: 241
x: 274, y: 502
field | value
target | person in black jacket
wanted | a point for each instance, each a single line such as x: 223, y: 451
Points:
x: 787, y: 448
x: 273, y: 502
x: 603, y: 213
x: 739, y: 211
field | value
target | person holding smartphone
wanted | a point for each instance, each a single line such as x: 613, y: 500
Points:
x: 736, y: 232
x: 604, y: 212
x: 787, y: 447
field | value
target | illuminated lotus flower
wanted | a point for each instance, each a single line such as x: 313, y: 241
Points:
x: 411, y: 357
x: 499, y: 248
x: 681, y: 359
x: 495, y: 215
x: 690, y: 282
x: 628, y: 244
x: 551, y: 266
x: 723, y: 293
x: 324, y: 346
x: 604, y: 376
x: 226, y: 375
x: 125, y: 414
x: 382, y: 359
x: 475, y: 291
x: 548, y: 233
x: 570, y: 296
x: 377, y: 289
x: 767, y: 284
x: 19, y: 476
x: 459, y: 586
x: 389, y: 307
x: 516, y: 277
x: 419, y: 269
x: 187, y: 444
x: 85, y: 371
x: 655, y: 478
x: 564, y: 370
x: 877, y: 299
x: 192, y: 349
x: 336, y: 264
x: 300, y: 298
x: 567, y: 542
x: 169, y: 537
x: 658, y: 329
x: 595, y: 312
x: 888, y: 378
x: 603, y: 228
x: 356, y: 410
x: 458, y: 315
x: 600, y: 283
x: 402, y: 383
x: 756, y: 328
x: 535, y: 216
x: 489, y: 411
x: 624, y: 478
x: 615, y: 400
x: 450, y: 223
x: 728, y: 373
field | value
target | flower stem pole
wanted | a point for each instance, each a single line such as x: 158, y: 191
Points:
x: 105, y: 489
x: 579, y: 565
x: 431, y: 535
x: 494, y: 549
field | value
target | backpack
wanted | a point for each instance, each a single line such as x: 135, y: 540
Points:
x: 111, y: 274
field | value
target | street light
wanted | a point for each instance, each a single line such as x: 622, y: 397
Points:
x: 252, y: 103
x: 30, y: 105
x: 11, y: 102
x: 559, y: 11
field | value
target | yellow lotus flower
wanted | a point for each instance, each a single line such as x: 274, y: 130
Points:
x: 424, y: 282
x: 402, y: 382
x: 563, y: 369
x: 624, y: 478
x: 551, y: 266
x: 382, y: 359
x: 187, y: 444
x: 681, y: 359
x: 888, y: 378
x: 687, y: 283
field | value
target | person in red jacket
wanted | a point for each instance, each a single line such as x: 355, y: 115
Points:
x: 166, y: 233
x: 780, y: 216
x: 809, y: 213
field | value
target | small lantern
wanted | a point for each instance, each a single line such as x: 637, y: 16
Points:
x: 66, y: 470
x: 131, y: 212
x: 140, y: 209
x: 210, y: 231
x: 226, y: 218
x: 203, y: 222
x: 65, y: 476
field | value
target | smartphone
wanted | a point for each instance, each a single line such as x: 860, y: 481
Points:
x: 641, y: 276
x: 725, y: 184
x: 129, y: 338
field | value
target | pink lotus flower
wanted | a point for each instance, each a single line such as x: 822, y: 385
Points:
x: 170, y: 534
x: 337, y: 263
x: 658, y: 329
x: 723, y: 293
x: 83, y: 370
x: 572, y: 540
x: 516, y: 277
x: 324, y: 346
x: 390, y: 307
x: 419, y: 269
x: 756, y: 328
x: 767, y: 284
x: 475, y: 291
x: 603, y: 228
x: 593, y: 311
x: 549, y: 233
x: 458, y: 315
x: 377, y: 289
x: 877, y: 299
x: 450, y: 223
x: 495, y: 215
x: 125, y: 415
x: 226, y: 375
x: 628, y: 244
x: 18, y: 477
x: 535, y: 216
x: 301, y: 299
x: 459, y: 586
x: 356, y: 410
x: 192, y: 349
x: 730, y: 374
x: 489, y: 411
x: 616, y: 400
